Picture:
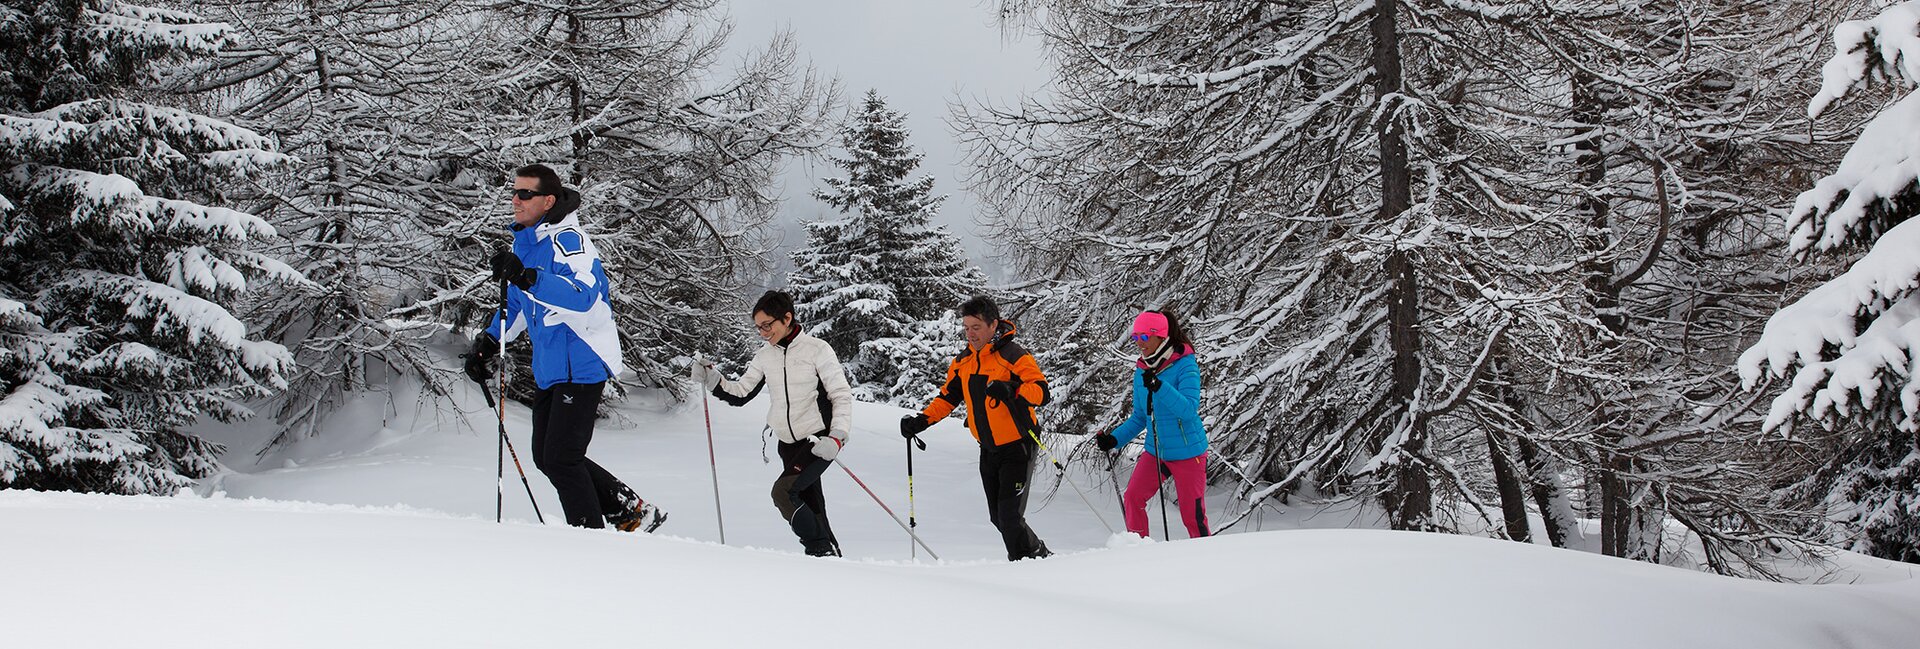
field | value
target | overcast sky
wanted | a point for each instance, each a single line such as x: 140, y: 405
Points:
x: 920, y: 55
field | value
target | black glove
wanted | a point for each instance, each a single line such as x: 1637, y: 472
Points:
x: 1001, y: 390
x: 1105, y: 442
x: 1151, y: 380
x: 479, y: 366
x: 911, y: 425
x: 507, y: 266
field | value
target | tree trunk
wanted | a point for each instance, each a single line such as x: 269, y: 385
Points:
x: 1409, y: 501
x: 1513, y: 498
x: 1603, y: 295
x: 1548, y: 497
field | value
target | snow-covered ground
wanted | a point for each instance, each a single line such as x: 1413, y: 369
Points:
x: 380, y: 533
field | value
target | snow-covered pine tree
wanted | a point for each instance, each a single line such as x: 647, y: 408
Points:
x: 1847, y: 348
x: 673, y: 156
x: 354, y: 91
x: 880, y: 283
x: 114, y: 325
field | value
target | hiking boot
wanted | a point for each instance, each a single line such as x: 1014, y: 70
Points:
x: 823, y: 549
x: 646, y: 518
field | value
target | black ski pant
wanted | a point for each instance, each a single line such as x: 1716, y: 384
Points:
x: 1005, y: 472
x: 801, y: 501
x: 563, y: 417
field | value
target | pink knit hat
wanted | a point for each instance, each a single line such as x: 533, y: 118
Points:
x: 1150, y: 323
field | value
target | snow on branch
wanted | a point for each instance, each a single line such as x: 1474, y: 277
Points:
x: 1885, y: 45
x: 1880, y: 168
x: 1882, y: 281
x: 158, y: 29
x: 199, y: 131
x: 1286, y: 53
x: 174, y: 312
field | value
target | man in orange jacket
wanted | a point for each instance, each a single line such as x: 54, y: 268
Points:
x: 999, y: 383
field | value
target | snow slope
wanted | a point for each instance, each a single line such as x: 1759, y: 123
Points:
x: 406, y: 554
x: 191, y: 572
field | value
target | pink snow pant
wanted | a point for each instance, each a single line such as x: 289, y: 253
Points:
x: 1189, y: 487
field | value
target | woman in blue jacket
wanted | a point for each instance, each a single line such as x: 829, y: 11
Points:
x: 1166, y: 406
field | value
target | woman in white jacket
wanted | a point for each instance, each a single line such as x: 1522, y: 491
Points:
x: 812, y: 410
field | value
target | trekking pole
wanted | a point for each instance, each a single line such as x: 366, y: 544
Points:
x: 1062, y: 468
x: 912, y: 551
x: 1159, y: 488
x: 500, y: 408
x: 706, y: 405
x: 889, y: 510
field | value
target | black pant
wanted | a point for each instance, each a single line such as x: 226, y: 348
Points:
x: 801, y: 501
x: 1005, y: 472
x: 563, y: 417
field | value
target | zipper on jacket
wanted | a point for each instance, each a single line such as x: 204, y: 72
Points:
x: 786, y: 390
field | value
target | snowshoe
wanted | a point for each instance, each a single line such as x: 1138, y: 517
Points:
x: 646, y: 518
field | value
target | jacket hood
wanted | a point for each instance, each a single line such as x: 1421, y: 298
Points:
x: 564, y: 203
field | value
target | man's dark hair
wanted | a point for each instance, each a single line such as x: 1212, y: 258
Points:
x: 549, y: 181
x: 776, y: 304
x: 980, y: 306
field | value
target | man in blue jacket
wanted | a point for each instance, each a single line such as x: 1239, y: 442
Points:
x: 560, y: 299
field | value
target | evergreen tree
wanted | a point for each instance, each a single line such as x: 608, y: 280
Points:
x: 879, y: 283
x: 115, y: 331
x: 1848, y: 347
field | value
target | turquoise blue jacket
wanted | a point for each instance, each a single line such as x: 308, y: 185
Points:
x: 1177, y: 433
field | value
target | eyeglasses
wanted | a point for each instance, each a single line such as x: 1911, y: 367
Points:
x: 527, y: 194
x: 1142, y: 337
x: 765, y: 327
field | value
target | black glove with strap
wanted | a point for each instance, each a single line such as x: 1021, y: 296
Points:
x: 507, y: 266
x: 480, y: 357
x: 1106, y: 442
x: 1004, y: 391
x: 912, y: 425
x: 1151, y: 379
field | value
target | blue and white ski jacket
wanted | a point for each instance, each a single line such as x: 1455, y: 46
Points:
x: 567, y: 314
x: 1176, y: 430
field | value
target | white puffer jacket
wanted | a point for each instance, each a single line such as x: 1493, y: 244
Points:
x: 810, y: 391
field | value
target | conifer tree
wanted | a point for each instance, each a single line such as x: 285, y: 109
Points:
x: 878, y: 283
x: 119, y: 266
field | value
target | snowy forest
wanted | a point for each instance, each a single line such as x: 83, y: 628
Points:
x: 1643, y: 266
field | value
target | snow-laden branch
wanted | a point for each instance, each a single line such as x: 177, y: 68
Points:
x: 1887, y: 44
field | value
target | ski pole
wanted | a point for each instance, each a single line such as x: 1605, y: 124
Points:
x: 500, y: 407
x: 889, y: 510
x: 1063, y: 478
x: 706, y: 405
x: 912, y: 551
x: 1154, y: 429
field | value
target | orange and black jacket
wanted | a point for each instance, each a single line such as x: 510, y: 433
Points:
x: 992, y: 421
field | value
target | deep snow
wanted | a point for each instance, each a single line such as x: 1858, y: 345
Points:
x: 407, y: 555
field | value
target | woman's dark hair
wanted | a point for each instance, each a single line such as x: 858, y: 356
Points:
x: 980, y: 306
x: 776, y: 304
x: 1176, y: 333
x: 549, y: 181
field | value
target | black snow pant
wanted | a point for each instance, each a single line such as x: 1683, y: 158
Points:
x: 1005, y: 472
x: 563, y: 417
x: 801, y: 501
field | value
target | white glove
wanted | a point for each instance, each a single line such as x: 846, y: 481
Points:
x: 826, y: 447
x: 705, y: 375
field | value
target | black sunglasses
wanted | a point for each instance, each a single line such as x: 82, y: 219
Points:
x: 527, y: 194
